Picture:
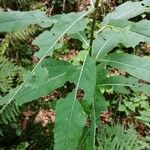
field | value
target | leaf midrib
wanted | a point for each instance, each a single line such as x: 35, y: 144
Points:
x: 125, y: 30
x: 116, y: 84
x: 116, y: 28
x: 124, y: 64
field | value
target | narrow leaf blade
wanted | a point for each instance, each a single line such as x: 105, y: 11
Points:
x: 134, y: 65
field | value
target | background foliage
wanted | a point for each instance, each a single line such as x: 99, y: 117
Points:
x: 55, y: 95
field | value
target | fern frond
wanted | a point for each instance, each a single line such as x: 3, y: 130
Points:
x: 117, y: 138
x: 9, y: 113
x: 22, y: 34
x: 24, y: 1
x: 8, y: 71
x: 4, y: 45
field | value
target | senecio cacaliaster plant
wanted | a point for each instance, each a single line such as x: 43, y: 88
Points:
x: 90, y: 76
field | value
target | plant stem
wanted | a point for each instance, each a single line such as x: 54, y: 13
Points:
x: 93, y: 26
x: 63, y: 7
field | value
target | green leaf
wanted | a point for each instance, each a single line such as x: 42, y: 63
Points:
x: 104, y: 43
x: 79, y: 58
x: 102, y: 72
x: 45, y: 41
x: 82, y: 37
x: 119, y: 83
x: 147, y: 3
x: 15, y: 20
x: 4, y: 100
x: 142, y: 27
x: 53, y: 74
x: 88, y: 81
x: 15, y: 94
x: 65, y: 20
x: 92, y: 134
x: 70, y: 120
x: 121, y: 31
x: 126, y: 11
x: 66, y: 24
x: 50, y: 75
x: 134, y: 65
x: 101, y: 104
x: 69, y: 127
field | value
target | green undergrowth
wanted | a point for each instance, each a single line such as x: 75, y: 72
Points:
x: 73, y: 79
